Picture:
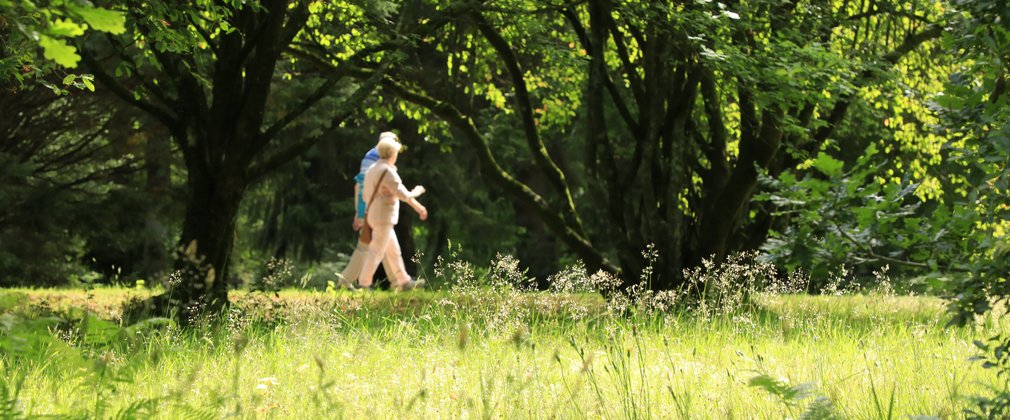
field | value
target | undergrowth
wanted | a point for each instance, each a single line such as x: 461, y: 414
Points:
x: 737, y: 341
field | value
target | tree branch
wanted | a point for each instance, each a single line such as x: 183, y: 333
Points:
x: 615, y: 94
x: 912, y: 42
x: 188, y: 84
x: 345, y: 110
x: 74, y: 155
x: 162, y: 114
x: 630, y: 70
x: 869, y: 251
x: 892, y: 11
x: 522, y: 99
x: 336, y: 74
x: 715, y: 150
x: 311, y: 100
x: 206, y: 37
x: 151, y: 87
x: 259, y: 70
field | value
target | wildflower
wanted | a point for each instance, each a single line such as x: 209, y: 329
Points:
x: 264, y: 384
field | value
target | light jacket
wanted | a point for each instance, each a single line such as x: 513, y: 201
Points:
x: 385, y: 209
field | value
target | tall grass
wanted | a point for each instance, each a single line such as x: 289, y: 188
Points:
x: 490, y: 349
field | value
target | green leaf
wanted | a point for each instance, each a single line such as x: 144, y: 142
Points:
x: 788, y: 178
x: 870, y: 151
x: 111, y: 21
x: 65, y: 29
x: 52, y: 87
x: 123, y: 70
x: 828, y: 165
x: 59, y: 51
x: 88, y: 84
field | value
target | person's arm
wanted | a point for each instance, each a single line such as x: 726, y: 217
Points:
x: 359, y: 213
x: 414, y: 204
x: 410, y: 197
x: 422, y: 211
x: 404, y: 195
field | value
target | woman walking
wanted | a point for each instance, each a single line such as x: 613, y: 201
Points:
x: 383, y: 191
x: 352, y: 270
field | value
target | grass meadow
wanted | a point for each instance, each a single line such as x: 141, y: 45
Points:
x: 488, y: 353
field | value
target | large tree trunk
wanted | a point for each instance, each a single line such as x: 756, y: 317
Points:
x: 724, y: 216
x: 538, y: 247
x: 206, y: 243
x: 199, y: 288
x: 157, y: 162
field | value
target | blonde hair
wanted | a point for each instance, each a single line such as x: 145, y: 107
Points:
x: 388, y: 145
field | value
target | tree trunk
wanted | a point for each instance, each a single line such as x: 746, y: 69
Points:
x: 201, y: 287
x: 720, y: 221
x: 157, y: 158
x: 538, y: 247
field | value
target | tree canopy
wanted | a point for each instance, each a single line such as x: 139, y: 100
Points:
x: 220, y: 134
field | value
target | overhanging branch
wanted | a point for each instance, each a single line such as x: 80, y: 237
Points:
x: 345, y: 110
x: 555, y: 176
x: 615, y: 94
x: 162, y: 114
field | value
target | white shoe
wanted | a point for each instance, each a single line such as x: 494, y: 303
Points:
x: 409, y: 285
x: 343, y: 283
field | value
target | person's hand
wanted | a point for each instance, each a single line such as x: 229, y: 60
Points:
x: 358, y: 222
x: 422, y: 212
x: 417, y: 191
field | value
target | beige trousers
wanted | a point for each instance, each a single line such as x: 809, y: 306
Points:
x: 353, y: 269
x: 386, y: 248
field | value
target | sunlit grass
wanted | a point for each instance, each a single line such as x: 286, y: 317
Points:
x: 514, y: 355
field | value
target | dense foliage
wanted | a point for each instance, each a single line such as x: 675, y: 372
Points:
x: 827, y: 133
